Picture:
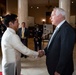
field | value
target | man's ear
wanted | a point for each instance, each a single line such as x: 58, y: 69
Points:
x: 10, y: 23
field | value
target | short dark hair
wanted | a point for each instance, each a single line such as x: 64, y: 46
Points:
x: 23, y: 22
x: 9, y: 18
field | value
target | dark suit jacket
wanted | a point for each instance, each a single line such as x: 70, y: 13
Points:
x: 59, y: 55
x: 26, y: 35
x: 38, y: 35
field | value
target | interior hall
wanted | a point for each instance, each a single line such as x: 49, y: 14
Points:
x: 36, y: 14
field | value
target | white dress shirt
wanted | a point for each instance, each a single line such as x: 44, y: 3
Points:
x: 12, y: 48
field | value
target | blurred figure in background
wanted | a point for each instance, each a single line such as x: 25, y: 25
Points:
x: 2, y: 30
x: 23, y: 33
x: 37, y: 38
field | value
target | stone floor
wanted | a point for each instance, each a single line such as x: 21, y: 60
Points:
x: 32, y: 66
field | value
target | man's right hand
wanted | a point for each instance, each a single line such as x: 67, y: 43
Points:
x: 41, y: 53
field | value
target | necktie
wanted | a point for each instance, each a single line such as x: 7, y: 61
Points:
x: 56, y: 29
x: 22, y: 33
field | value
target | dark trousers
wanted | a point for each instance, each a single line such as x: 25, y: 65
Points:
x: 25, y: 42
x: 37, y: 45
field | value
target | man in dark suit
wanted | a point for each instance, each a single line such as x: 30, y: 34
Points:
x: 37, y: 38
x: 59, y: 51
x: 23, y: 33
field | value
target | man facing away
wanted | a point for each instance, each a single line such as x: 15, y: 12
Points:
x: 12, y: 47
x: 59, y: 51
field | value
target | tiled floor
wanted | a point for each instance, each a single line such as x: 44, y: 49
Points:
x: 32, y: 66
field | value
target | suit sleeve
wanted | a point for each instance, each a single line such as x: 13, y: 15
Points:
x: 66, y: 52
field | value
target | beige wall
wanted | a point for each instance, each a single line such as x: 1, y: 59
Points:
x: 11, y: 6
x: 38, y: 14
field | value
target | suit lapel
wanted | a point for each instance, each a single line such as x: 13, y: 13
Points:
x: 55, y: 36
x: 53, y: 39
x: 63, y: 25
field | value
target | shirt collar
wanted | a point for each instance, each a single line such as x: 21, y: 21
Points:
x: 59, y: 25
x: 11, y: 30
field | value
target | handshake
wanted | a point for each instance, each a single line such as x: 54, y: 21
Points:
x: 41, y: 53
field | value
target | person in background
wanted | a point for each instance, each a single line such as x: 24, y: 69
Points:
x: 75, y: 34
x: 23, y: 33
x: 37, y: 38
x: 12, y: 47
x: 59, y: 51
x: 2, y: 30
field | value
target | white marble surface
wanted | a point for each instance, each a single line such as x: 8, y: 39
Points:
x: 33, y: 66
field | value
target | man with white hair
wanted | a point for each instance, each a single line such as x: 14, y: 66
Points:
x: 59, y: 51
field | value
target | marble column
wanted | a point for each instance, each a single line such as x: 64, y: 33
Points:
x: 22, y: 11
x: 65, y: 4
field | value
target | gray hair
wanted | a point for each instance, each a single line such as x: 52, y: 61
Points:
x: 60, y: 11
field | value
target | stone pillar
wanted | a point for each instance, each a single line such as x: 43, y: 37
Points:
x: 65, y: 4
x: 22, y: 11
